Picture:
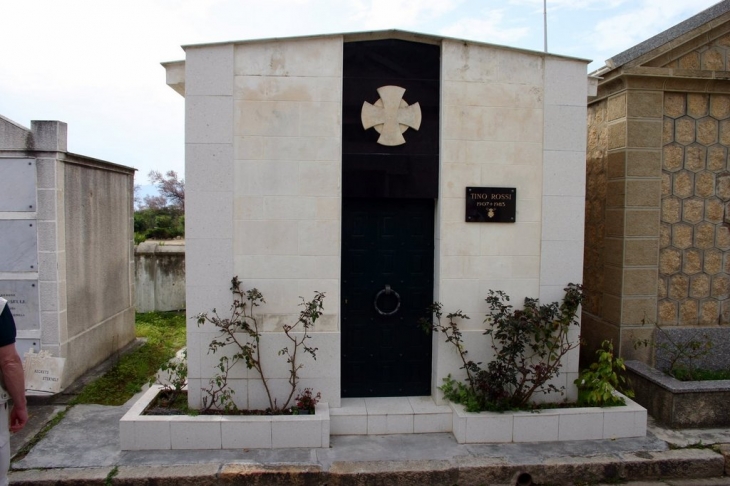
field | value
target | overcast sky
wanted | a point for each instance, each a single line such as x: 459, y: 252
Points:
x: 95, y: 64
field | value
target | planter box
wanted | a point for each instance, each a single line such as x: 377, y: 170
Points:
x: 558, y: 424
x: 153, y: 432
x: 680, y: 404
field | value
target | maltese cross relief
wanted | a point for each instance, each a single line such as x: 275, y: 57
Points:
x: 390, y: 116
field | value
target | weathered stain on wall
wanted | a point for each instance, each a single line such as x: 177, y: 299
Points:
x: 595, y: 220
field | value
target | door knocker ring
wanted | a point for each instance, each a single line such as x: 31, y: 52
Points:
x: 387, y: 291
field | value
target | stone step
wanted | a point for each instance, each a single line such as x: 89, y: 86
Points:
x: 390, y: 415
x: 687, y: 467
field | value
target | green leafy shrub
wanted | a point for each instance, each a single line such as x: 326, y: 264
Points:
x: 158, y: 223
x: 598, y: 384
x: 528, y: 346
x: 163, y: 221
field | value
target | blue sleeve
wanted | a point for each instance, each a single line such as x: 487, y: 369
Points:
x: 7, y: 327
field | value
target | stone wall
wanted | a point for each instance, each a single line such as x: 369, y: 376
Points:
x: 595, y: 215
x: 159, y: 272
x: 710, y: 57
x: 695, y: 242
x: 99, y: 298
x: 622, y: 218
x: 263, y: 199
x: 658, y: 243
x: 535, y: 100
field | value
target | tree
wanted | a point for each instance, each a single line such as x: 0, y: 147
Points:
x: 161, y: 216
x: 156, y: 203
x: 172, y: 190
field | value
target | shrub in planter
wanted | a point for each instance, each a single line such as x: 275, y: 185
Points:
x: 242, y: 330
x: 528, y: 346
x: 597, y: 386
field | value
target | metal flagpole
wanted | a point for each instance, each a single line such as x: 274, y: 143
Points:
x: 544, y: 17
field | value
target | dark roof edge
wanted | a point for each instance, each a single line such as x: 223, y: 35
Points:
x: 668, y: 35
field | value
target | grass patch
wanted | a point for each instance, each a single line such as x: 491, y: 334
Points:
x: 165, y: 334
x: 109, y: 480
x: 701, y: 375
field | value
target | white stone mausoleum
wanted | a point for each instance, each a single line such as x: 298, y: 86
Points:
x: 389, y: 170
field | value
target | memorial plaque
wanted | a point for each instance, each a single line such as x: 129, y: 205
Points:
x: 491, y: 204
x: 18, y: 245
x: 22, y: 297
x: 17, y: 185
x: 43, y: 372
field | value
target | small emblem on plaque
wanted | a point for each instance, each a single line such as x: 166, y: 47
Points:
x: 490, y: 213
x: 391, y: 116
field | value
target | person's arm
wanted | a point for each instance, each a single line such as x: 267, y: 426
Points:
x: 14, y: 377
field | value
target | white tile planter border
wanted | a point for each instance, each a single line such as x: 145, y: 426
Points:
x: 550, y: 425
x: 149, y: 432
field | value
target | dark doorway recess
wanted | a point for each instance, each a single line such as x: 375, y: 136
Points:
x: 387, y: 285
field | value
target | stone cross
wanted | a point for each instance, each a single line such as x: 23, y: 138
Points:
x: 391, y: 115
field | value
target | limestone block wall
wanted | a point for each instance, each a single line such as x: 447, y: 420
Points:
x: 263, y: 165
x: 509, y: 119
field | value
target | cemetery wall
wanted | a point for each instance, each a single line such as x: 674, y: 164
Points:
x: 159, y: 276
x: 97, y: 206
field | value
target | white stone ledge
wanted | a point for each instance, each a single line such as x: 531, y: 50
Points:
x: 560, y: 424
x: 155, y: 432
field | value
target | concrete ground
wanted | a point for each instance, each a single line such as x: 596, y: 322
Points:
x: 83, y: 449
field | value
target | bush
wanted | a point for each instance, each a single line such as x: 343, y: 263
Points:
x: 242, y: 330
x: 596, y: 385
x: 161, y: 224
x: 528, y: 345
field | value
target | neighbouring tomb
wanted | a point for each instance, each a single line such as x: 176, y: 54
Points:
x: 66, y: 261
x: 657, y: 247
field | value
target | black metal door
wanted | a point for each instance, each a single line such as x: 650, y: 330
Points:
x: 387, y: 285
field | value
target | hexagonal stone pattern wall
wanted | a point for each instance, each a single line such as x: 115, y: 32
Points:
x: 712, y: 57
x: 694, y: 259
